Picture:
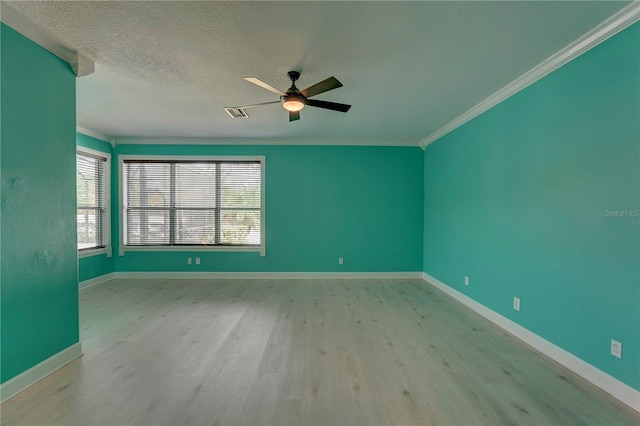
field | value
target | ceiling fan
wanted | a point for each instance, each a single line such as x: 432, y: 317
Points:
x: 294, y: 99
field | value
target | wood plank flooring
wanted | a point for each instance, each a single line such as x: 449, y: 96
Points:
x: 301, y: 352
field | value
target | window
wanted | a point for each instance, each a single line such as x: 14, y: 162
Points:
x: 211, y: 203
x: 92, y: 189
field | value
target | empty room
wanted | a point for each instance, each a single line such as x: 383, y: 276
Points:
x: 320, y: 213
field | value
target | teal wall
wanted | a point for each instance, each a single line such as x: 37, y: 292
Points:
x: 322, y: 202
x: 93, y: 143
x: 516, y: 200
x: 99, y: 264
x: 39, y: 290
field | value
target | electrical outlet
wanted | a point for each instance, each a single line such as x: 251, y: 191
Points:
x: 466, y: 280
x: 197, y: 260
x: 189, y: 260
x: 516, y: 303
x: 340, y: 261
x: 616, y: 349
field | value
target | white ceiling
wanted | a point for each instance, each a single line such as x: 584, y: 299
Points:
x: 167, y: 69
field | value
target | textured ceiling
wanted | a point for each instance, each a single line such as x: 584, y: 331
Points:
x: 167, y: 69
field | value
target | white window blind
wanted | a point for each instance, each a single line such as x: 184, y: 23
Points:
x: 192, y: 203
x: 91, y: 200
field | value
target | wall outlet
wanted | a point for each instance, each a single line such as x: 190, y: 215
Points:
x: 340, y: 261
x: 466, y: 280
x: 516, y: 303
x: 197, y: 260
x: 616, y: 349
x: 189, y: 260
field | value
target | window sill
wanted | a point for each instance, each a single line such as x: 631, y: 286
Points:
x: 94, y: 252
x: 196, y: 249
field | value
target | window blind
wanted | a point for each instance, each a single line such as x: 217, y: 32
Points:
x: 211, y: 203
x: 90, y: 192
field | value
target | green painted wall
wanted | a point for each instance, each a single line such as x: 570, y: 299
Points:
x: 93, y: 143
x: 39, y: 285
x: 98, y: 265
x: 517, y: 198
x: 322, y: 202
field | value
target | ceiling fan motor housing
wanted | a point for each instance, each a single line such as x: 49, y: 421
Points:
x: 293, y: 100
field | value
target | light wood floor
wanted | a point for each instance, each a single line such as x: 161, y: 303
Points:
x: 303, y: 352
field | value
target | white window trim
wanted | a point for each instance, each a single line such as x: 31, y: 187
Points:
x: 107, y: 194
x: 122, y: 248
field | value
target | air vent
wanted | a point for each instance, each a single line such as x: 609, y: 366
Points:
x: 236, y: 113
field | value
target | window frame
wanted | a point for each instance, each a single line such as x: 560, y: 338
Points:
x: 107, y: 249
x: 123, y: 248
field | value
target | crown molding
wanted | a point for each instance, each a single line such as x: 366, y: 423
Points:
x: 80, y: 64
x: 622, y: 19
x: 95, y: 135
x: 231, y: 141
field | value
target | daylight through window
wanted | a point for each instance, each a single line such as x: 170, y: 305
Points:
x: 91, y: 200
x: 192, y: 203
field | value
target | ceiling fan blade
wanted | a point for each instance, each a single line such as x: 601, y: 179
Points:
x: 324, y: 86
x: 294, y: 115
x: 255, y: 105
x: 328, y: 105
x: 264, y: 85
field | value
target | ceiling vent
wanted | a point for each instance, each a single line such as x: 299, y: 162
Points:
x: 236, y: 113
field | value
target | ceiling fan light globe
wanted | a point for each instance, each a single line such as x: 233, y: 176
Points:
x: 293, y: 101
x: 293, y: 105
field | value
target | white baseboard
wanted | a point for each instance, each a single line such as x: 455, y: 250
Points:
x: 14, y: 386
x: 95, y: 281
x: 271, y: 275
x: 609, y: 384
